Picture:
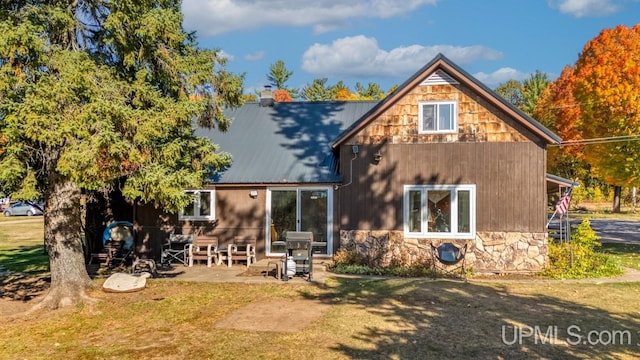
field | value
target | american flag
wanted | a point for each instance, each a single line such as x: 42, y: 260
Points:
x: 563, y: 204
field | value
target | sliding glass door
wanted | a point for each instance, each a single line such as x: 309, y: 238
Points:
x: 299, y: 209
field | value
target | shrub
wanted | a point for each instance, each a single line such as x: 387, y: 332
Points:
x: 350, y: 261
x: 578, y: 258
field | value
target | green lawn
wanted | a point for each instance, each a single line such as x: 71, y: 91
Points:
x: 628, y: 255
x: 22, y: 244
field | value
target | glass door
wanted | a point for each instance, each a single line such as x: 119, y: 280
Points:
x: 314, y: 216
x: 284, y: 215
x: 299, y: 209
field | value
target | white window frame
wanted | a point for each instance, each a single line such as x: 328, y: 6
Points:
x: 437, y: 104
x: 453, y: 234
x: 196, y: 206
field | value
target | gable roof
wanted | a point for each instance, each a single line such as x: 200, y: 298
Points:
x: 438, y: 65
x: 289, y: 142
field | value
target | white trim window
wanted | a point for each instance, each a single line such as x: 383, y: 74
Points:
x: 440, y: 211
x: 202, y: 206
x: 437, y: 117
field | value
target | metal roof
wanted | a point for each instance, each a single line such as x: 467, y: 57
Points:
x: 556, y: 183
x: 289, y: 142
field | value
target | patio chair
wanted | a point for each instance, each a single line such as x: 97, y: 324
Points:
x: 243, y: 248
x: 448, y: 259
x: 203, y: 249
x: 176, y: 249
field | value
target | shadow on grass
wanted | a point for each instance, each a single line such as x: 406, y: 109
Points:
x: 24, y: 272
x: 25, y: 259
x: 449, y: 319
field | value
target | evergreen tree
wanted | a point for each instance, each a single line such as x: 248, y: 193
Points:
x: 98, y: 90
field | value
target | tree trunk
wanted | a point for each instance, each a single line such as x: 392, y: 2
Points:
x: 62, y: 237
x: 633, y: 200
x: 617, y: 191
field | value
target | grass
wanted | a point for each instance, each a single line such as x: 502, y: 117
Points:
x: 22, y: 245
x: 366, y: 318
x: 627, y: 255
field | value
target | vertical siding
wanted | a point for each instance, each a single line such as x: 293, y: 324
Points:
x: 237, y: 214
x: 509, y: 179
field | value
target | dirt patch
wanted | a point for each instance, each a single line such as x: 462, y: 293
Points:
x: 20, y: 292
x: 274, y: 315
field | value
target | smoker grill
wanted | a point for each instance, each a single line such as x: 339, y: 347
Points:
x: 298, y: 246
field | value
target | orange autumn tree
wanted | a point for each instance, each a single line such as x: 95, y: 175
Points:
x: 282, y: 95
x: 558, y: 110
x: 607, y: 87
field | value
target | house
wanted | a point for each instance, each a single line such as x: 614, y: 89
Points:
x: 443, y: 158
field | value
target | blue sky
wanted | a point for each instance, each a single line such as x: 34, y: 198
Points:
x: 387, y: 41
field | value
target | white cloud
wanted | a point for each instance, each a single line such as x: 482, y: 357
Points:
x: 360, y: 56
x: 226, y: 55
x: 258, y: 55
x: 584, y: 8
x: 500, y: 76
x: 213, y: 17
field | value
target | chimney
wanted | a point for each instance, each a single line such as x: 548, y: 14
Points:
x: 266, y: 96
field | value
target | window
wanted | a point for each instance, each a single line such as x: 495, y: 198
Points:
x: 438, y: 117
x: 439, y: 211
x: 201, y: 208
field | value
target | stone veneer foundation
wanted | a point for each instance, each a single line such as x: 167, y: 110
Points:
x: 495, y: 252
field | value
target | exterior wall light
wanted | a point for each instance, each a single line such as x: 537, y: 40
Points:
x: 377, y: 157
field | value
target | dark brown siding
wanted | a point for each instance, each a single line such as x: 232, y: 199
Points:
x: 509, y: 179
x: 236, y: 213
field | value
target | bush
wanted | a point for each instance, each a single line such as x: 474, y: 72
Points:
x: 350, y: 261
x: 578, y: 258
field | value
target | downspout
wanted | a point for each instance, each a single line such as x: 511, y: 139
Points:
x: 354, y: 148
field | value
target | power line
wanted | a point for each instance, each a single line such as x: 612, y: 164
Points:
x: 603, y: 140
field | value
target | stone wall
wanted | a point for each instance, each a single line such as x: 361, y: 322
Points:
x: 495, y: 252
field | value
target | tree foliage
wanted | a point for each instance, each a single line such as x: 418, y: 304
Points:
x: 93, y: 91
x: 607, y: 87
x: 559, y: 111
x: 282, y: 95
x: 511, y: 91
x: 278, y: 76
x: 532, y: 89
x: 371, y: 92
x: 598, y: 99
x: 524, y: 95
x: 318, y: 90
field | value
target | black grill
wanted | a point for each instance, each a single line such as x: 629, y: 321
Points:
x: 298, y: 245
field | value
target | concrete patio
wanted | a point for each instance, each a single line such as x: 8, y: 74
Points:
x: 256, y: 273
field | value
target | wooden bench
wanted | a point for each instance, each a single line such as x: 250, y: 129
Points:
x: 203, y: 249
x: 243, y: 248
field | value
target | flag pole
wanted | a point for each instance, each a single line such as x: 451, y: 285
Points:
x: 551, y: 218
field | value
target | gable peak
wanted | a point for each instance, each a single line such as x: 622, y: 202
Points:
x: 439, y: 77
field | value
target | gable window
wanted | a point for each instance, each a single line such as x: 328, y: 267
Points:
x: 201, y: 208
x: 439, y: 211
x: 435, y: 117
